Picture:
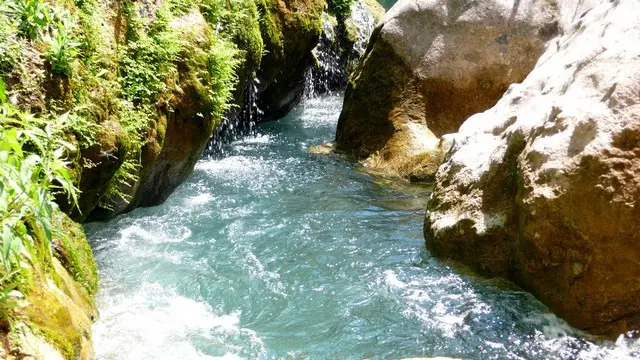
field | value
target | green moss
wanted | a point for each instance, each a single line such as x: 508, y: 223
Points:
x: 340, y: 8
x: 242, y: 24
x: 351, y: 32
x: 77, y: 256
x: 272, y: 36
x: 287, y: 33
x: 376, y: 9
x: 47, y: 317
x: 58, y: 341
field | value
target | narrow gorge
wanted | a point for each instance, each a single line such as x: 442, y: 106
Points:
x: 257, y: 179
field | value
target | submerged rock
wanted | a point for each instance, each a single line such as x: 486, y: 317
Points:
x: 428, y: 67
x: 543, y: 188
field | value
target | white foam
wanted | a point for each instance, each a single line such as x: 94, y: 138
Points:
x: 157, y: 323
x: 199, y: 199
x: 391, y: 279
x: 257, y: 139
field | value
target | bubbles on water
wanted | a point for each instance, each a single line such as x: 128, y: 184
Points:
x: 157, y: 323
x: 272, y: 253
x: 199, y: 199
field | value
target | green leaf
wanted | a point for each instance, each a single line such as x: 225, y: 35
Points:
x: 3, y: 92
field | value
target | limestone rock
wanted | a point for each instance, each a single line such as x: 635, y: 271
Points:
x: 543, y: 188
x: 430, y: 65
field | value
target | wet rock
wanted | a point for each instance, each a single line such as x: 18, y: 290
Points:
x: 290, y: 30
x: 343, y: 41
x: 322, y: 149
x: 543, y: 188
x: 428, y: 67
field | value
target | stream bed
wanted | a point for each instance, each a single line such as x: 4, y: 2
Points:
x: 271, y: 252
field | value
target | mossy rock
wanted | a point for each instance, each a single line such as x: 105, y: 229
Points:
x: 58, y: 305
x: 72, y: 249
x: 290, y: 30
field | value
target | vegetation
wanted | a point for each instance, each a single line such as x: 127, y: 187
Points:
x: 131, y: 79
x: 33, y: 171
x: 88, y: 81
x: 341, y: 9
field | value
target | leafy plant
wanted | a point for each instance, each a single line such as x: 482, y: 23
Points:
x: 62, y: 51
x: 33, y: 15
x: 147, y: 59
x: 222, y: 64
x: 9, y: 43
x: 340, y: 8
x: 32, y: 171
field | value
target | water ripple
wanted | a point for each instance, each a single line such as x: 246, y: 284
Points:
x: 273, y: 253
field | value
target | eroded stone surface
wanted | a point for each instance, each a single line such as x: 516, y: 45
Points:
x: 429, y: 66
x: 543, y: 187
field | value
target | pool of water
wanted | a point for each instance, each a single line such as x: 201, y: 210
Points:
x: 271, y: 252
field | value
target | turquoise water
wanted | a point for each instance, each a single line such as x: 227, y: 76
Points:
x: 274, y: 253
x: 387, y: 4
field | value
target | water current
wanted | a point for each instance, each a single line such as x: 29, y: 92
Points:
x: 271, y: 252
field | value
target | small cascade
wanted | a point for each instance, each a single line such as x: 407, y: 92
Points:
x: 329, y: 71
x: 337, y: 53
x: 365, y: 22
x: 241, y: 125
x: 339, y: 49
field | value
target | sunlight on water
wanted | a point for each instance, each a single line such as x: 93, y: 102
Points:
x: 272, y: 253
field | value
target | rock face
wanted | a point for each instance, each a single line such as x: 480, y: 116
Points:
x: 543, y: 188
x: 429, y: 66
x: 274, y: 40
x: 343, y: 42
x: 290, y: 29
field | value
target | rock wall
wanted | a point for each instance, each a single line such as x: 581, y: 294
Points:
x: 291, y: 29
x: 428, y: 67
x: 543, y: 187
x: 153, y: 80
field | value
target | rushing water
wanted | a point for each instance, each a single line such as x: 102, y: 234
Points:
x: 272, y: 252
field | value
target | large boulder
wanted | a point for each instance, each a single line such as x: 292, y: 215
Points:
x: 430, y: 65
x: 543, y: 188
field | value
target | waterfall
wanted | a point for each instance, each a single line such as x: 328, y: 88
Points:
x: 236, y: 125
x: 335, y: 57
x: 340, y: 48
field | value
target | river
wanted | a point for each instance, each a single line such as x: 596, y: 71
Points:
x: 271, y: 252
